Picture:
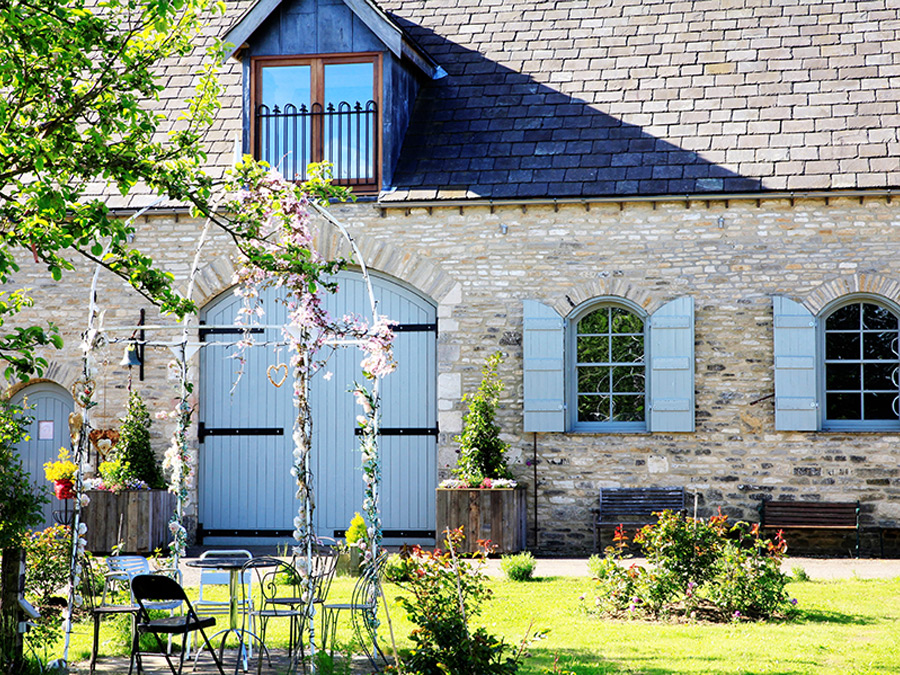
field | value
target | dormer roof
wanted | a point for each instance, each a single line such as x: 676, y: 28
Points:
x: 394, y: 37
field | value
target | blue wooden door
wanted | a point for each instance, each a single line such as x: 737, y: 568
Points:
x: 49, y: 407
x: 245, y: 488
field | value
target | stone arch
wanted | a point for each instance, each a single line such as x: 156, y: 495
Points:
x: 856, y: 284
x: 61, y: 373
x: 612, y: 287
x: 216, y: 276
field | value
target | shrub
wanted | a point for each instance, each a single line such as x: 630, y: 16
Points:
x: 399, y: 569
x: 799, y: 574
x: 445, y: 594
x: 697, y: 569
x: 482, y: 454
x: 134, y: 447
x: 20, y: 505
x: 518, y: 566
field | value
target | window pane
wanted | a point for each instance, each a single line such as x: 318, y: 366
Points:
x: 624, y: 321
x: 879, y: 345
x: 628, y: 379
x: 842, y: 376
x: 879, y: 376
x: 846, y: 318
x: 593, y: 379
x: 282, y: 85
x: 349, y: 123
x: 880, y: 406
x: 878, y: 317
x: 628, y: 409
x: 349, y: 83
x: 593, y: 408
x: 842, y: 406
x: 842, y: 346
x: 284, y: 128
x: 593, y: 349
x: 627, y: 348
x: 595, y: 322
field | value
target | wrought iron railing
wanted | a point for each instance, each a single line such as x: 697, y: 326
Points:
x: 345, y: 135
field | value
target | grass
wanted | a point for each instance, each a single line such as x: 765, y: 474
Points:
x: 849, y: 626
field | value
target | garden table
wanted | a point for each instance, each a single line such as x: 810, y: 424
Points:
x: 234, y: 566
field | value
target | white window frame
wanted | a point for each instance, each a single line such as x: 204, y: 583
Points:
x: 574, y: 425
x: 847, y: 425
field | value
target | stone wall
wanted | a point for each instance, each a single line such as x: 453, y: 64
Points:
x: 731, y: 257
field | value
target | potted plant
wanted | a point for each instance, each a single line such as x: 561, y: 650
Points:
x: 356, y: 540
x: 483, y: 497
x: 62, y: 474
x: 128, y: 509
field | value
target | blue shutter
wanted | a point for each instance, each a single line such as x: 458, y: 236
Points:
x: 543, y: 344
x: 671, y: 372
x: 796, y: 405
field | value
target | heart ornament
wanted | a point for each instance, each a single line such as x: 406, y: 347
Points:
x: 272, y: 373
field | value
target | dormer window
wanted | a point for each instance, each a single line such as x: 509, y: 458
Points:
x: 324, y: 108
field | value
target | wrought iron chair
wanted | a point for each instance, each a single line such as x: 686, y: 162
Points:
x: 283, y: 594
x: 153, y: 589
x: 363, y: 608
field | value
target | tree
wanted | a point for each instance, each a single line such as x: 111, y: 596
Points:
x: 75, y: 84
x: 134, y: 443
x: 482, y: 453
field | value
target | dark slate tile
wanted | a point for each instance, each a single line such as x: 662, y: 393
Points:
x: 565, y: 161
x: 504, y: 190
x: 532, y: 189
x: 507, y: 163
x: 521, y: 176
x: 549, y: 148
x: 667, y: 171
x: 513, y: 136
x: 653, y: 187
x: 626, y: 159
x: 581, y: 175
x: 566, y: 189
x: 639, y: 172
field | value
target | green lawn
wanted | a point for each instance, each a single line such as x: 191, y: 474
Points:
x: 843, y: 627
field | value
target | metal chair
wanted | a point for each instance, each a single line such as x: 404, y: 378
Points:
x: 153, y: 589
x: 103, y: 609
x: 363, y: 608
x: 221, y: 577
x: 283, y: 594
x: 124, y: 568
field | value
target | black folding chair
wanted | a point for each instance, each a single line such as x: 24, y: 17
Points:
x: 147, y: 588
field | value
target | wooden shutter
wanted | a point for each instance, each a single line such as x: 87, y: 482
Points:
x: 671, y: 371
x: 796, y: 405
x: 543, y: 344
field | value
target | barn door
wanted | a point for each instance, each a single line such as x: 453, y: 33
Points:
x: 49, y: 407
x: 244, y: 484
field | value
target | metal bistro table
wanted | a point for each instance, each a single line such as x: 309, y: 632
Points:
x: 234, y: 566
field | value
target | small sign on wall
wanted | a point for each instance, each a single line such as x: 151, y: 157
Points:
x: 45, y: 430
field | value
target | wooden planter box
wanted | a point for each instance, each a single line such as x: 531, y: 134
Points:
x: 497, y: 514
x: 138, y: 518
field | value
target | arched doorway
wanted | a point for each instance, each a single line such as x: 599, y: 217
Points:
x: 246, y: 493
x: 49, y: 407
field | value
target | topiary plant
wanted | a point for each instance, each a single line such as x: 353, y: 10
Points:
x: 134, y: 444
x: 482, y: 454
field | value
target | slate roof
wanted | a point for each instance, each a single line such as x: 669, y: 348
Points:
x: 553, y: 98
x: 618, y: 97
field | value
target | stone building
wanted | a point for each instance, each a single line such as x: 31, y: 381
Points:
x: 676, y: 219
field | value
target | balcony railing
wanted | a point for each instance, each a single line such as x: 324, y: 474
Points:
x: 345, y: 135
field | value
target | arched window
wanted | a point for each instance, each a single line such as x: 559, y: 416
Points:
x: 610, y: 368
x: 861, y: 366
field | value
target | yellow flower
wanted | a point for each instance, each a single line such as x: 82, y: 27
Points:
x: 62, y: 469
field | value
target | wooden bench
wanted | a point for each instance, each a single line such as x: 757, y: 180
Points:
x: 634, y: 507
x: 810, y: 516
